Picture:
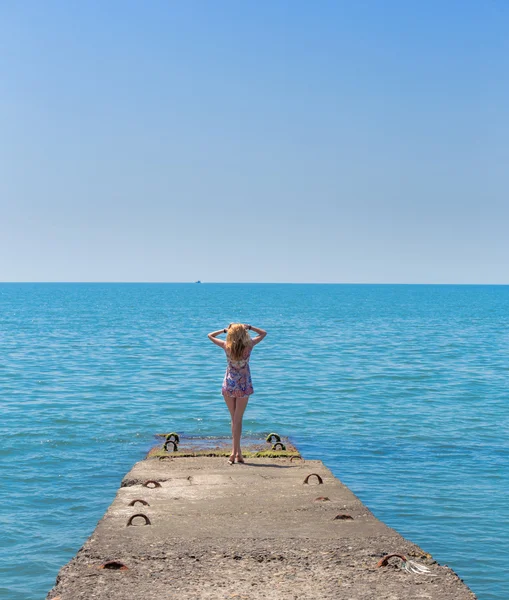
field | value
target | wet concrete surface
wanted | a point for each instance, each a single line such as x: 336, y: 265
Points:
x: 247, y: 531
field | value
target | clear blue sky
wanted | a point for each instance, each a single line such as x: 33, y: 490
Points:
x: 341, y: 141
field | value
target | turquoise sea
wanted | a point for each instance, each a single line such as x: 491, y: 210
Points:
x: 402, y: 390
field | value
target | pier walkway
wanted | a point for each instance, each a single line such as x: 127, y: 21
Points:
x: 265, y: 529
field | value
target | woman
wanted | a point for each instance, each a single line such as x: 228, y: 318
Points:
x: 237, y: 384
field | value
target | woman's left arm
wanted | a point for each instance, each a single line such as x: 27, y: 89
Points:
x: 213, y: 337
x: 261, y: 334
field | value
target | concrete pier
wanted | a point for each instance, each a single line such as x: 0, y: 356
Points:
x: 263, y: 529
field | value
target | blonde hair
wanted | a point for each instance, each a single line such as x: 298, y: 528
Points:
x: 237, y: 341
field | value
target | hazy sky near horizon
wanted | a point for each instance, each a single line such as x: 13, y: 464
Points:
x: 278, y: 141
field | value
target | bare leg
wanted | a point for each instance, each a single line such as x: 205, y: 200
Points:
x: 231, y: 404
x: 240, y: 407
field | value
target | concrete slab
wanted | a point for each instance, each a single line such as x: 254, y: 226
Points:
x: 248, y: 531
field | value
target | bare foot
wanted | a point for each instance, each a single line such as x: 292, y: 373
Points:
x: 231, y: 460
x: 240, y: 458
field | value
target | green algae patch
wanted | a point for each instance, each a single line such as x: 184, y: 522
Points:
x: 276, y: 454
x: 159, y: 452
x: 223, y: 448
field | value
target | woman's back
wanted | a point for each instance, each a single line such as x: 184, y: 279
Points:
x: 240, y: 362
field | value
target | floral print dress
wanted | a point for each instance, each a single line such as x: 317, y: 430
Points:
x: 237, y: 380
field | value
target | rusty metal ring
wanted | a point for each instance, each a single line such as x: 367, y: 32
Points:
x: 271, y: 435
x: 173, y: 435
x: 320, y: 480
x: 298, y: 457
x: 115, y: 565
x: 165, y: 446
x: 343, y: 517
x: 383, y: 561
x: 147, y: 520
x: 283, y: 447
x: 322, y: 499
x: 156, y: 484
x: 144, y: 502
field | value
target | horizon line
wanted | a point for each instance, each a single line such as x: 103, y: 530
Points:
x: 252, y: 283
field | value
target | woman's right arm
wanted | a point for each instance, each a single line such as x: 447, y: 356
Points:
x: 213, y: 337
x: 261, y: 334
